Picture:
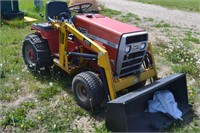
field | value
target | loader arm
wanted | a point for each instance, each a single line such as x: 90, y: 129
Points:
x: 103, y: 59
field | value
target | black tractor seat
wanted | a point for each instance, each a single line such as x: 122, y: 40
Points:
x: 55, y: 8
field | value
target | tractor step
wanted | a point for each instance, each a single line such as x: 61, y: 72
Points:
x: 70, y: 69
x: 127, y: 113
x: 57, y: 63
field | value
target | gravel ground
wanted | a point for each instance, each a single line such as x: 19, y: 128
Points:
x: 176, y: 17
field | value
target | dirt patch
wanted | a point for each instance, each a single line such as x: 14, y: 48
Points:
x: 20, y: 100
x: 17, y: 102
x: 85, y: 123
x: 175, y: 17
x: 164, y: 71
x: 198, y: 111
x: 157, y: 37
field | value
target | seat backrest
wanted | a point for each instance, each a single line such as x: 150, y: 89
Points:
x: 54, y: 8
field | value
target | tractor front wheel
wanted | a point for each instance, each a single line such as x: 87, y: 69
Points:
x: 88, y: 89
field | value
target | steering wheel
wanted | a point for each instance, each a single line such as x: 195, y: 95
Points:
x: 80, y: 8
x: 64, y: 17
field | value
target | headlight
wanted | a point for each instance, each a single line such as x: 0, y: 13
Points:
x: 128, y: 49
x: 142, y: 46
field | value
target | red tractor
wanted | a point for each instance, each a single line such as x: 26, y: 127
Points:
x: 106, y: 57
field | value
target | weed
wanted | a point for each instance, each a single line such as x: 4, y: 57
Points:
x: 100, y: 129
x: 54, y: 122
x: 48, y: 93
x: 191, y: 92
x: 162, y: 25
x: 2, y: 71
x: 77, y: 111
x: 9, y: 89
x: 18, y: 118
x: 6, y: 97
x: 128, y: 17
x: 76, y: 130
x: 5, y: 93
x: 28, y: 105
x: 180, y: 54
x: 185, y: 59
x: 185, y: 68
x: 148, y: 19
x: 109, y: 12
x: 189, y: 38
x: 125, y: 18
x: 136, y: 17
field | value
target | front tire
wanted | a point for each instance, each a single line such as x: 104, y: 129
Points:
x: 88, y: 89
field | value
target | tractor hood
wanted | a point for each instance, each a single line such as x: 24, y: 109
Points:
x: 103, y: 27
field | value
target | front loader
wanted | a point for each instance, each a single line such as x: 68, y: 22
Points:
x: 109, y: 60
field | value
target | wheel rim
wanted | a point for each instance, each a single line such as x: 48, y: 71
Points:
x: 81, y: 92
x: 30, y: 55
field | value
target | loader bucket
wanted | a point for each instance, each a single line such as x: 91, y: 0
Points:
x: 127, y: 113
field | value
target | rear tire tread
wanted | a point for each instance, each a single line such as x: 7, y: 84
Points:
x: 41, y: 51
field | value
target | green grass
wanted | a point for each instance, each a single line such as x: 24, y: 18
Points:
x: 128, y: 17
x: 186, y: 68
x: 101, y: 129
x: 149, y: 19
x: 109, y: 12
x: 190, y: 5
x: 162, y: 24
x: 17, y: 118
x: 190, y: 38
x: 27, y: 6
x: 48, y: 93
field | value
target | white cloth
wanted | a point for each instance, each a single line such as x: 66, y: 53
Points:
x: 163, y: 101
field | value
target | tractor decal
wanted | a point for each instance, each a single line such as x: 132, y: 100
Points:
x: 85, y: 32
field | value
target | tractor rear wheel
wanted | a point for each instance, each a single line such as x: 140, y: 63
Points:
x: 88, y: 89
x: 36, y: 52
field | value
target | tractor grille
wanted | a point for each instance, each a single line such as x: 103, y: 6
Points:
x: 137, y: 38
x: 131, y: 62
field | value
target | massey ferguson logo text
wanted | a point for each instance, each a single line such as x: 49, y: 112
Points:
x: 83, y: 30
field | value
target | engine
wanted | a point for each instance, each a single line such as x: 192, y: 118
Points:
x: 126, y: 44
